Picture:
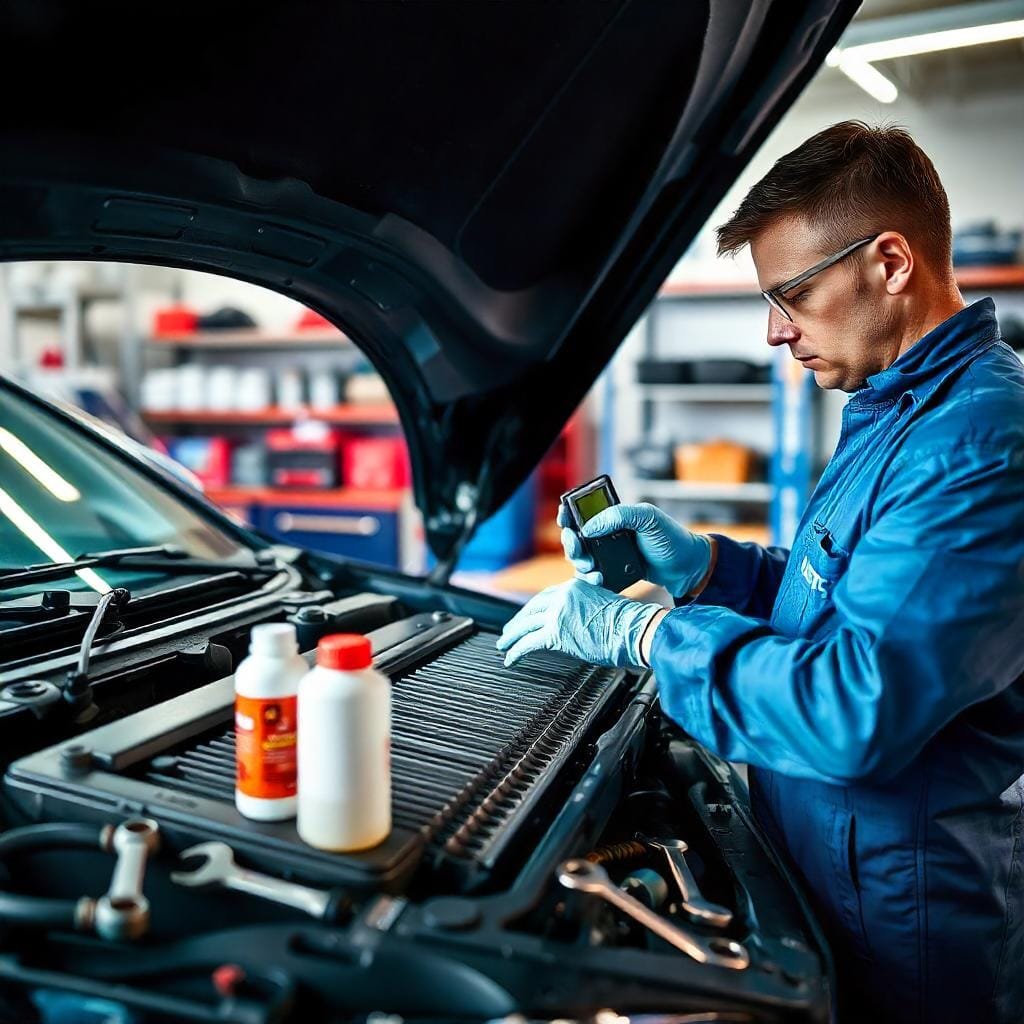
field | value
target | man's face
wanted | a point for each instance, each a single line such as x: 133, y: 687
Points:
x: 843, y: 326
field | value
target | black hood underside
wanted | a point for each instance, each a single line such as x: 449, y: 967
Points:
x: 484, y: 196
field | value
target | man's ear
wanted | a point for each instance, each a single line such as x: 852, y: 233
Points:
x: 895, y: 261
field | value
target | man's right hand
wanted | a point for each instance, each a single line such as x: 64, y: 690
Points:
x: 677, y: 559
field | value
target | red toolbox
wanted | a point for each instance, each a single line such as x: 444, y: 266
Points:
x: 307, y: 455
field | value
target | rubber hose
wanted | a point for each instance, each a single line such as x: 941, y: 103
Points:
x: 37, y: 911
x: 53, y: 835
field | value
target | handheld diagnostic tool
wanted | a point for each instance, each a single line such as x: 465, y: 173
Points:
x: 616, y: 555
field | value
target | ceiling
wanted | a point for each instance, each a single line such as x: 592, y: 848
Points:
x: 948, y: 74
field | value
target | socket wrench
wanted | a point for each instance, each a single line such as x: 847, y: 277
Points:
x: 123, y: 914
x: 219, y: 868
x: 693, y: 901
x: 582, y: 876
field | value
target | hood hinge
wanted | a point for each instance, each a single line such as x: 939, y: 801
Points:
x: 467, y: 506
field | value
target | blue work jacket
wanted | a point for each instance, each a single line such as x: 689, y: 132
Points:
x: 872, y: 675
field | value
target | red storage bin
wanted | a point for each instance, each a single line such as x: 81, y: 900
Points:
x: 174, y: 320
x: 313, y: 321
x: 376, y: 463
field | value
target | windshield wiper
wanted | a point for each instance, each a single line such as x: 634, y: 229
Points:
x: 166, y: 558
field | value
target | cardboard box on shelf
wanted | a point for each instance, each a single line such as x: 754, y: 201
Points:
x: 720, y: 462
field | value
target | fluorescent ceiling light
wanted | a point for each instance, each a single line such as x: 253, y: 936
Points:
x: 37, y: 467
x: 929, y: 42
x: 42, y: 540
x: 870, y: 79
x: 943, y: 28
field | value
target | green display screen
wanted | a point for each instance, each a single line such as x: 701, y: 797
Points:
x: 590, y: 504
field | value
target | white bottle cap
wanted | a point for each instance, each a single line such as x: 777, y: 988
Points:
x: 274, y: 639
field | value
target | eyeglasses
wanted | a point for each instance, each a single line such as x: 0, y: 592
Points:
x: 774, y: 295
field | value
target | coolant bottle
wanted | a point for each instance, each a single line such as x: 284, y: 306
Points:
x: 266, y: 689
x: 344, y: 748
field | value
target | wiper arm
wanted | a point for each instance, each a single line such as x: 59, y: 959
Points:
x: 165, y: 557
x: 116, y: 554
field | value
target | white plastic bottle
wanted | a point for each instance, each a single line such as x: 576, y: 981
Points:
x: 344, y: 748
x: 266, y: 718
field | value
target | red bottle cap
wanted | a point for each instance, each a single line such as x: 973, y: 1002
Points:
x: 228, y: 979
x: 350, y: 651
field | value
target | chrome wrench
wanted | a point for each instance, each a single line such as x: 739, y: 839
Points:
x: 693, y: 901
x: 583, y: 876
x: 219, y: 868
x: 123, y: 914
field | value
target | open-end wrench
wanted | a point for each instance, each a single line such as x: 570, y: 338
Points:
x: 583, y: 876
x: 124, y: 912
x: 219, y: 868
x: 693, y: 901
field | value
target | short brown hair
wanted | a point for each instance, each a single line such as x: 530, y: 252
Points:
x: 852, y: 180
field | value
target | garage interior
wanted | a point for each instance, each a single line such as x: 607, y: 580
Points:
x: 286, y: 425
x: 260, y: 405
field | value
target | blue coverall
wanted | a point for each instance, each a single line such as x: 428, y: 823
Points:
x: 872, y: 676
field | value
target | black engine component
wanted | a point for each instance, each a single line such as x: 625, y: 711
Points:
x: 499, y: 776
x: 475, y: 746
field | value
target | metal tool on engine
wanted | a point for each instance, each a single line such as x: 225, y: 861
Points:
x: 583, y: 876
x: 692, y: 900
x: 219, y: 868
x: 647, y: 886
x: 123, y: 914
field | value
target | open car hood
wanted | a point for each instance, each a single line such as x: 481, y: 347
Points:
x: 484, y: 196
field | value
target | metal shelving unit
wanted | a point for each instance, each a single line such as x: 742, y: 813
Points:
x: 724, y: 393
x: 790, y: 408
x: 768, y: 417
x: 684, y: 490
x: 350, y: 413
x: 249, y: 339
x: 380, y: 526
x: 66, y: 305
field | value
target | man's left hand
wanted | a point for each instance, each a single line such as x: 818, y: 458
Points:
x: 580, y: 619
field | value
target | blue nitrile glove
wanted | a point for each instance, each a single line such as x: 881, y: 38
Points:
x: 675, y: 558
x: 580, y: 619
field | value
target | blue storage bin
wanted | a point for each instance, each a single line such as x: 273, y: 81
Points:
x: 507, y: 536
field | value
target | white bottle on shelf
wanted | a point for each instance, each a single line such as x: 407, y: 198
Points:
x: 289, y: 388
x: 344, y: 748
x: 266, y: 718
x: 323, y: 389
x: 221, y: 386
x: 191, y: 386
x: 253, y: 393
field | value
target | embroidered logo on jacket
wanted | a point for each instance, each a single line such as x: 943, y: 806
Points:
x: 814, y: 579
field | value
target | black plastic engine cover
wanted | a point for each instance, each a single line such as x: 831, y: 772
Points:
x: 475, y: 748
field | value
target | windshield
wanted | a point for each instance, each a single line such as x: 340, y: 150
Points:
x: 62, y: 495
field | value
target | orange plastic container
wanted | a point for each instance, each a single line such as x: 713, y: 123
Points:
x: 714, y: 462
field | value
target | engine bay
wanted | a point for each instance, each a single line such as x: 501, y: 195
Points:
x: 559, y: 850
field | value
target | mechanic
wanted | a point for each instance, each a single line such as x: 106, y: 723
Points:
x: 872, y: 674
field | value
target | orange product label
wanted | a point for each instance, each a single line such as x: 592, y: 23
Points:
x: 265, y: 731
